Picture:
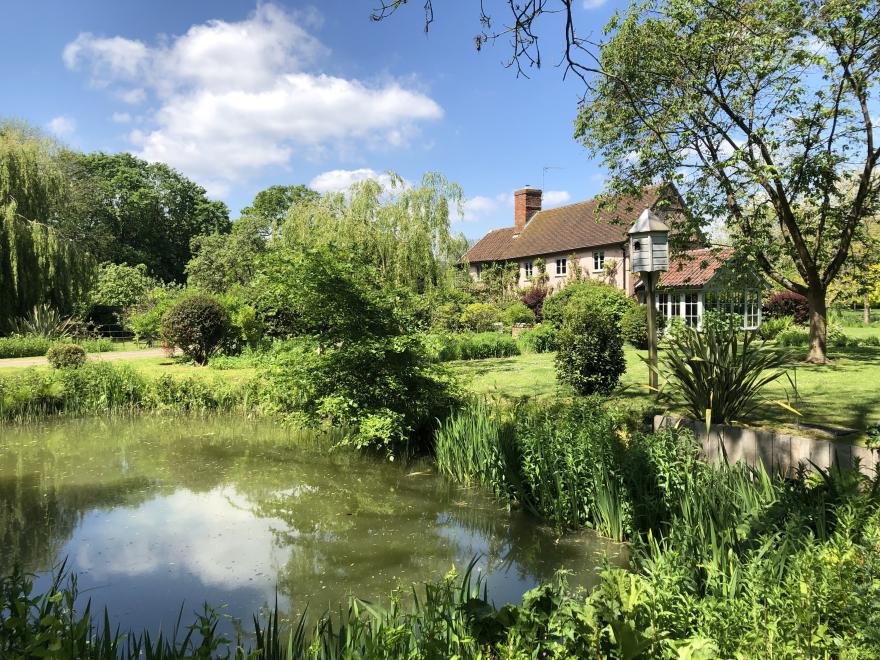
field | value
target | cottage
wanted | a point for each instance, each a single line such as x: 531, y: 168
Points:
x: 589, y: 239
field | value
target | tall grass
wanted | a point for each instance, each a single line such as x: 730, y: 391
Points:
x: 98, y: 388
x: 470, y: 346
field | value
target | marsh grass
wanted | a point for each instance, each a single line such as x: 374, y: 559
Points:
x: 100, y: 388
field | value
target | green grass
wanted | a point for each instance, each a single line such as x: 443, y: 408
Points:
x: 845, y: 393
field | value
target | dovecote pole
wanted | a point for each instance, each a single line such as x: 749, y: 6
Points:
x: 649, y: 256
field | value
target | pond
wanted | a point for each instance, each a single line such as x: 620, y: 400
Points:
x: 156, y: 512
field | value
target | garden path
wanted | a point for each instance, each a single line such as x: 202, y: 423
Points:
x: 113, y: 355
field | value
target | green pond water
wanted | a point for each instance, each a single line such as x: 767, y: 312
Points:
x: 155, y: 512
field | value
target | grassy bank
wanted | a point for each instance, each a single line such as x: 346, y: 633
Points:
x: 842, y: 394
x: 99, y: 388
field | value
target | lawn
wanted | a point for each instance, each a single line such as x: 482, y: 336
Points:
x: 845, y: 393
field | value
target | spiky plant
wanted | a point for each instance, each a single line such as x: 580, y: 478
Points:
x: 44, y: 321
x: 719, y: 372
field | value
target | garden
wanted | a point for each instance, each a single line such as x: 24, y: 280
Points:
x: 350, y: 448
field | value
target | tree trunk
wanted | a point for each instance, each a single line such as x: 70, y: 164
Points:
x: 818, y: 326
x: 866, y: 302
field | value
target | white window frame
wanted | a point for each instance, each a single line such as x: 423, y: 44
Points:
x: 561, y: 267
x: 695, y: 303
x: 528, y: 268
x: 598, y: 257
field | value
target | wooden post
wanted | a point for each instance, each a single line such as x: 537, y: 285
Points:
x: 652, y: 329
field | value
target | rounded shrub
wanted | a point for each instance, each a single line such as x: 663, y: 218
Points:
x: 788, y: 303
x: 589, y: 353
x: 196, y: 324
x: 480, y: 317
x: 589, y: 293
x: 634, y: 326
x: 517, y: 312
x: 66, y: 356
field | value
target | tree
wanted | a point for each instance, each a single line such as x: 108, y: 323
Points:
x: 121, y: 285
x: 220, y: 261
x: 37, y: 264
x: 403, y: 231
x: 127, y: 210
x: 759, y: 109
x: 270, y: 206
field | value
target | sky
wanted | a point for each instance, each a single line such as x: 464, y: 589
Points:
x: 239, y: 96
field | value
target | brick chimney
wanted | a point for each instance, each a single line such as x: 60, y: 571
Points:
x: 526, y: 202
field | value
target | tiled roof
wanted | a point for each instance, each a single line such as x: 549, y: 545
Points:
x: 566, y: 228
x: 695, y: 267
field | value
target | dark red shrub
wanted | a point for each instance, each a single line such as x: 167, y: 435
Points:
x: 533, y: 298
x: 788, y: 303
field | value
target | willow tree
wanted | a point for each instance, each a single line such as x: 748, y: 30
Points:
x: 37, y: 264
x: 762, y: 111
x: 403, y: 231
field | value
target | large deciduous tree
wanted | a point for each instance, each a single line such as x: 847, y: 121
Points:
x: 760, y: 110
x: 127, y: 210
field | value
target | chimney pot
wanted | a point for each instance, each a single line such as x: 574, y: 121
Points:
x: 526, y: 203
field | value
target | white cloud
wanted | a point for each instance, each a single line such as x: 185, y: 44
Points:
x: 342, y: 180
x: 121, y: 117
x: 235, y: 98
x: 555, y: 197
x: 62, y: 125
x: 481, y: 206
x: 593, y: 4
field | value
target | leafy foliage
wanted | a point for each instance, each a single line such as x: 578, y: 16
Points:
x: 540, y: 339
x: 66, y: 356
x: 718, y: 375
x: 480, y: 317
x: 23, y: 346
x: 120, y: 285
x: 360, y: 368
x: 788, y: 303
x: 516, y: 312
x: 221, y: 261
x: 587, y: 293
x: 634, y: 326
x: 196, y: 324
x: 770, y: 328
x: 130, y: 211
x: 590, y: 349
x: 470, y: 346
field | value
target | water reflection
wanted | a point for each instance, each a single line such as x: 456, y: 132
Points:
x: 151, y: 512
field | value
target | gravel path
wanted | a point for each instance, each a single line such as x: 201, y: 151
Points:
x: 113, y: 355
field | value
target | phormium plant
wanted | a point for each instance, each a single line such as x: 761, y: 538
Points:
x: 719, y: 372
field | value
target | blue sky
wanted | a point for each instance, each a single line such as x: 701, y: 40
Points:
x: 240, y: 96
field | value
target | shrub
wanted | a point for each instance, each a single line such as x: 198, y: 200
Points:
x: 793, y: 337
x: 589, y: 353
x: 517, y: 312
x: 23, y: 346
x: 717, y: 375
x: 771, y: 328
x: 587, y: 293
x: 722, y: 321
x: 96, y: 344
x: 788, y: 303
x: 64, y: 356
x: 196, y: 324
x: 533, y: 297
x: 540, y: 339
x: 381, y: 390
x: 145, y: 318
x: 480, y: 317
x: 634, y: 326
x: 871, y: 340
